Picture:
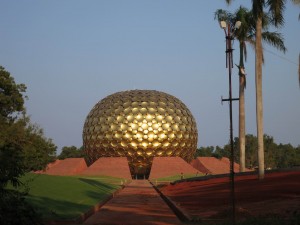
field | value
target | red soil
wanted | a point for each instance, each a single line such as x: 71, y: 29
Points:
x: 137, y: 204
x: 278, y: 193
x: 170, y: 166
x: 66, y: 167
x: 109, y: 166
x: 212, y: 165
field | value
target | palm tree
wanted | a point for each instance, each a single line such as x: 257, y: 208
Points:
x: 246, y: 34
x: 299, y: 70
x: 276, y: 8
x: 297, y: 2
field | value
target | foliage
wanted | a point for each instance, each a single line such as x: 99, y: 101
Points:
x: 211, y: 151
x: 11, y: 161
x: 71, y: 152
x: 12, y: 136
x: 38, y: 150
x: 22, y: 147
x: 276, y: 155
x: 247, y: 34
x: 204, y: 151
x: 11, y: 98
x: 15, y: 210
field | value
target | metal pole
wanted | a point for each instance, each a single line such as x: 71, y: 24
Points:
x: 229, y: 65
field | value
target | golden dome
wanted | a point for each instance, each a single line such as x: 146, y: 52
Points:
x: 140, y: 124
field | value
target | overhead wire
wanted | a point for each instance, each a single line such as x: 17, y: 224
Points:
x: 284, y: 58
x: 288, y: 60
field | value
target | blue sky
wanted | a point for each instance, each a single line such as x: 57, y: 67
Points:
x: 71, y: 54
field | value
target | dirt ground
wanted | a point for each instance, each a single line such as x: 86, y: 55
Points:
x: 278, y: 193
x: 137, y: 204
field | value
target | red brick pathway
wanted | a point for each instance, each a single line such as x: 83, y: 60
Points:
x: 137, y: 203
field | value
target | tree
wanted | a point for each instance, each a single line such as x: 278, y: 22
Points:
x: 11, y: 132
x: 204, y: 151
x: 246, y: 35
x: 222, y: 152
x: 11, y: 97
x: 270, y: 152
x: 17, y: 140
x: 276, y: 156
x: 11, y: 161
x: 38, y: 150
x: 71, y: 152
x: 243, y: 34
x: 276, y: 9
x: 287, y: 156
x: 297, y: 2
x: 251, y: 151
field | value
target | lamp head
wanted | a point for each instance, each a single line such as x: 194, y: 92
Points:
x: 223, y: 24
x: 237, y: 24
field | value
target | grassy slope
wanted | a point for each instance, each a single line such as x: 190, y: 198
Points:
x: 66, y: 197
x: 174, y: 178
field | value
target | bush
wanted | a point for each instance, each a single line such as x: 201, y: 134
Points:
x: 14, y: 210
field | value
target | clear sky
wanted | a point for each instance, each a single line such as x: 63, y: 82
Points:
x: 73, y: 53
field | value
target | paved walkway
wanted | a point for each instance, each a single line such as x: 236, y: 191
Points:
x: 137, y: 203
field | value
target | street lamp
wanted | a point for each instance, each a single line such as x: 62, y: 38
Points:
x: 229, y: 64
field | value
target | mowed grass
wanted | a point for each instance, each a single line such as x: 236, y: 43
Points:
x: 175, y: 177
x: 67, y: 197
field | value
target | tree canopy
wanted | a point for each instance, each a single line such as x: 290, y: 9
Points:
x: 71, y: 152
x: 276, y: 155
x: 23, y: 147
x: 11, y: 97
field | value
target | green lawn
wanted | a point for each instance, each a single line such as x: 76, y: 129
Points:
x: 66, y: 197
x: 174, y: 178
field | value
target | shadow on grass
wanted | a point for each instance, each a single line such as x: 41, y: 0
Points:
x: 58, y: 209
x: 53, y: 209
x: 98, y: 184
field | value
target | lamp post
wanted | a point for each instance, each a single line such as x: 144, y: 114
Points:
x: 229, y: 64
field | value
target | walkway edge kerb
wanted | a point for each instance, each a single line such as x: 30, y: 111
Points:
x: 178, y: 211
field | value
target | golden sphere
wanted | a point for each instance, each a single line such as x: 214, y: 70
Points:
x: 140, y: 124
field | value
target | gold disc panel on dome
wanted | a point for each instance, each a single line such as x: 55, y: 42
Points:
x: 140, y: 124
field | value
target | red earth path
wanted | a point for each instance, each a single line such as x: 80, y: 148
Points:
x: 278, y: 193
x: 137, y: 204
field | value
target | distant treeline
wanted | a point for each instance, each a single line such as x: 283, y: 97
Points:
x: 276, y: 155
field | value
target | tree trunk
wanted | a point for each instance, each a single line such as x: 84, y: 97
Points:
x: 259, y: 99
x: 242, y: 123
x: 242, y: 111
